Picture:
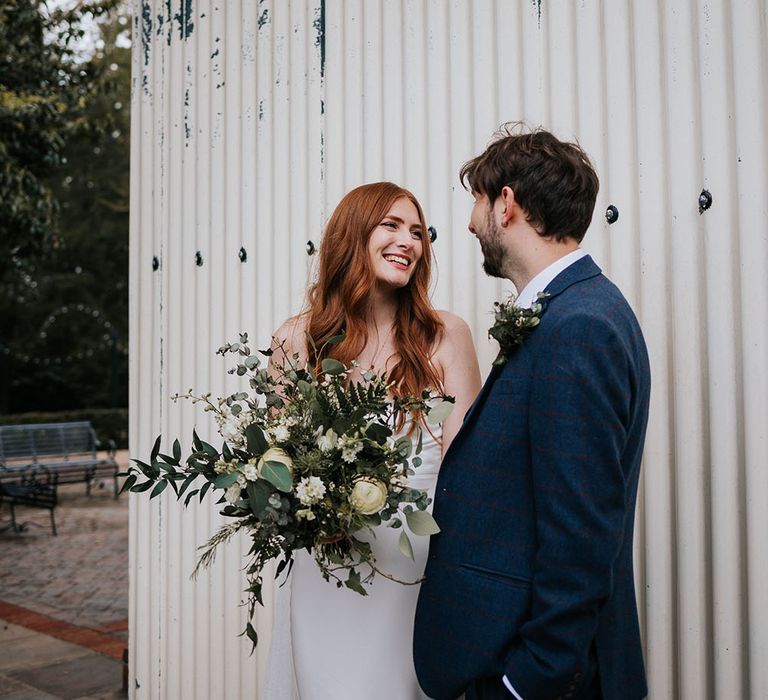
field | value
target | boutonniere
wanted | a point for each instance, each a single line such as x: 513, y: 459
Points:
x: 514, y: 324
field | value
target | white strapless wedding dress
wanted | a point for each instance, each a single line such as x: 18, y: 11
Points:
x: 331, y: 643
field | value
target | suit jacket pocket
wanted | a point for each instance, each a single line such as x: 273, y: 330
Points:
x: 509, y: 579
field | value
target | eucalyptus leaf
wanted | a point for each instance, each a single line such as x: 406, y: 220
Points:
x: 421, y: 523
x: 144, y: 486
x: 353, y: 583
x: 177, y: 450
x: 331, y: 366
x: 256, y: 442
x: 405, y: 545
x: 259, y: 492
x: 404, y: 445
x: 277, y: 474
x: 440, y: 411
x: 224, y: 481
x: 335, y: 339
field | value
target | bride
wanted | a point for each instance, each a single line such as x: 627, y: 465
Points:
x: 374, y: 269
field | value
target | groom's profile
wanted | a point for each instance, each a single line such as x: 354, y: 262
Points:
x: 529, y: 589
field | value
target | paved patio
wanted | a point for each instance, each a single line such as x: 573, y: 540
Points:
x: 64, y: 599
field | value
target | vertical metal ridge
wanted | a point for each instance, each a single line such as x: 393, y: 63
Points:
x: 250, y: 121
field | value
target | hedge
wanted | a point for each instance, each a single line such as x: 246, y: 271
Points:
x: 109, y: 423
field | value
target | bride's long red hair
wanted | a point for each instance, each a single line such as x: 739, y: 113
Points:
x: 339, y: 300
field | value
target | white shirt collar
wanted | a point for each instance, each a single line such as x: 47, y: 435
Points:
x: 539, y: 282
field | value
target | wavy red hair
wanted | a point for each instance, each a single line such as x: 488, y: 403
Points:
x: 341, y: 296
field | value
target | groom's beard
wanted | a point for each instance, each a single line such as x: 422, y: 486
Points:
x: 493, y: 252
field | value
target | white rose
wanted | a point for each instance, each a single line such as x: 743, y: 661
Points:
x: 232, y: 494
x: 368, y: 495
x: 275, y: 454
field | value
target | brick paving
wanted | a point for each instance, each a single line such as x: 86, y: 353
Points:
x: 64, y: 599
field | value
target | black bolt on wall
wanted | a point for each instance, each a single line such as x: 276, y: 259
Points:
x: 432, y: 234
x: 310, y: 248
x: 611, y: 214
x: 198, y: 259
x: 242, y: 255
x: 155, y: 263
x: 705, y: 201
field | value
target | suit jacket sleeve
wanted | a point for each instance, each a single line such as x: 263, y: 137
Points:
x: 579, y: 411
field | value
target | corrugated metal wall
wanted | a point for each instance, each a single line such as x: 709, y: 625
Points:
x: 250, y: 121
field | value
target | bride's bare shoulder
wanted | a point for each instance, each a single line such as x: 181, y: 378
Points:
x: 290, y: 338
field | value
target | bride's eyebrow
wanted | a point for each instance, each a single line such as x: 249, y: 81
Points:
x: 402, y: 221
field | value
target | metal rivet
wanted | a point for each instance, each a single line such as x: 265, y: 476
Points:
x: 310, y: 248
x: 705, y: 201
x: 242, y: 255
x: 155, y: 263
x: 432, y: 234
x: 198, y: 259
x: 611, y: 214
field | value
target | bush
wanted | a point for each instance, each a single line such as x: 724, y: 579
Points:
x: 109, y: 423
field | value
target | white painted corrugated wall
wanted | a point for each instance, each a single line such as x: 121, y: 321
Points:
x: 250, y: 121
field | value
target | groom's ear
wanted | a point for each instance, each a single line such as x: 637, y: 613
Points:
x: 511, y: 206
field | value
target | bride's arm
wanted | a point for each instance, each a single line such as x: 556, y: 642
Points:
x: 457, y: 360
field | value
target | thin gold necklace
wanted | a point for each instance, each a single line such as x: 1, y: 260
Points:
x: 382, y: 342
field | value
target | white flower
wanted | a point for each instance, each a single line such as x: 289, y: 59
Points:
x: 232, y: 494
x: 305, y: 514
x: 399, y: 480
x: 281, y: 433
x: 368, y: 495
x: 221, y: 466
x: 310, y: 490
x: 275, y: 454
x: 327, y: 442
x: 250, y: 472
x: 241, y: 481
x: 350, y: 448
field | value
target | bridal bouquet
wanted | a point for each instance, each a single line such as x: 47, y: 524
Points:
x: 308, y: 461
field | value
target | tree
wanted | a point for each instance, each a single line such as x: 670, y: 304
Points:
x: 60, y: 135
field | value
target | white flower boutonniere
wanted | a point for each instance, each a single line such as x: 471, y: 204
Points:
x: 514, y: 324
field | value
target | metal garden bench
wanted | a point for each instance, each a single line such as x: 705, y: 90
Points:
x: 68, y: 451
x: 36, y: 490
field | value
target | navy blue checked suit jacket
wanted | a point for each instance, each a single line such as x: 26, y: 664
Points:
x: 531, y: 576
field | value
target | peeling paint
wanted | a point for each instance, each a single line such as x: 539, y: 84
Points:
x: 261, y: 110
x: 215, y: 53
x: 537, y: 5
x: 264, y: 17
x: 319, y: 25
x: 184, y: 19
x: 146, y: 29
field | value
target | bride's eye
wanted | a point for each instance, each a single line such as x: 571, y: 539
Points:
x: 416, y: 233
x: 389, y: 224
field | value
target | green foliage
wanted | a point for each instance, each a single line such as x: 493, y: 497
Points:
x: 64, y: 126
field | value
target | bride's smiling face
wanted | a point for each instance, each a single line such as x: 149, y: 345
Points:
x: 395, y: 245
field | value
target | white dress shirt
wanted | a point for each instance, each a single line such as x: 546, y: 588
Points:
x: 525, y: 299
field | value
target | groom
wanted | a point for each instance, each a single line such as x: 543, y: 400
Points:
x: 529, y: 590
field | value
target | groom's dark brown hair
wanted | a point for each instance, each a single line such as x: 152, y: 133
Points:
x: 553, y: 181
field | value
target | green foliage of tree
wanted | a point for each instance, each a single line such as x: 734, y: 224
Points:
x: 64, y: 129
